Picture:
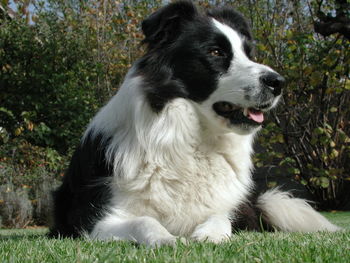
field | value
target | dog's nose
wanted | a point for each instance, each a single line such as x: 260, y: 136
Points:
x: 273, y: 81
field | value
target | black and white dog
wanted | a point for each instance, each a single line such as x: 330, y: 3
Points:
x: 170, y: 154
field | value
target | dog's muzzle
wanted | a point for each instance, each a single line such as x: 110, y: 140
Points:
x: 271, y: 85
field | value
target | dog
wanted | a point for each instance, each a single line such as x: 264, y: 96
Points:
x: 169, y: 155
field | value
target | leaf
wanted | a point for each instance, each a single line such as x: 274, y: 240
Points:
x: 308, y: 70
x: 328, y: 127
x: 4, y: 2
x: 342, y: 136
x: 347, y: 84
x: 303, y: 182
x: 316, y: 78
x: 287, y: 160
x: 334, y: 154
x: 259, y: 164
x: 18, y: 131
x: 289, y: 34
x: 280, y: 138
x: 324, y: 182
x: 261, y: 47
x: 8, y: 112
x: 324, y: 140
x: 292, y: 48
x: 271, y: 184
x: 318, y: 131
x: 294, y: 171
x: 30, y: 126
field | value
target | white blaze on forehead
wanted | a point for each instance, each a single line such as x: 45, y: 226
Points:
x: 234, y: 38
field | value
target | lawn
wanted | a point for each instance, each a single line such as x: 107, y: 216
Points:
x: 32, y: 246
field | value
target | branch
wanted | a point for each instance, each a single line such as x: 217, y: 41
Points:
x: 328, y: 25
x: 329, y: 28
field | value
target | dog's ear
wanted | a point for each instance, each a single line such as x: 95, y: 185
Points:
x: 163, y: 26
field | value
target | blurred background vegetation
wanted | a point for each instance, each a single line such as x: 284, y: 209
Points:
x: 60, y: 61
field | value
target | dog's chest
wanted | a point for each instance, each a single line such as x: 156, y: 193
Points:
x: 184, y: 195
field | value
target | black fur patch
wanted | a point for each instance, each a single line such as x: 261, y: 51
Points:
x: 249, y: 217
x: 181, y: 62
x: 165, y: 25
x: 82, y: 198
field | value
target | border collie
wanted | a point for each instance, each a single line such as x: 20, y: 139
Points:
x: 170, y: 154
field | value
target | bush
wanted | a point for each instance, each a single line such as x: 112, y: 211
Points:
x: 47, y: 78
x: 26, y: 204
x: 43, y: 200
x: 54, y: 75
x: 16, y: 209
x: 309, y: 137
x: 27, y: 174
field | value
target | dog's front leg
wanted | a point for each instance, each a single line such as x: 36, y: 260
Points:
x: 216, y: 229
x: 142, y: 230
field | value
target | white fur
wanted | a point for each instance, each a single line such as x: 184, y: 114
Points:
x: 176, y: 170
x: 219, y: 227
x: 182, y: 172
x: 292, y: 214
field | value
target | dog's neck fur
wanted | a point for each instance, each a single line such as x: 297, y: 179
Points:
x: 139, y: 135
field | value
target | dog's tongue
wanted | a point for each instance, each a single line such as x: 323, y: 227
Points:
x: 256, y: 116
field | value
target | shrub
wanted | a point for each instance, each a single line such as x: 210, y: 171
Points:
x: 43, y: 200
x: 16, y: 210
x: 30, y: 203
x: 27, y: 174
x: 309, y: 137
x: 47, y: 78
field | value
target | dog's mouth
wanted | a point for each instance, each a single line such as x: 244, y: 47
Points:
x: 240, y: 115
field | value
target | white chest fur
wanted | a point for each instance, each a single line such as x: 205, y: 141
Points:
x: 170, y: 166
x: 182, y: 198
x: 180, y: 176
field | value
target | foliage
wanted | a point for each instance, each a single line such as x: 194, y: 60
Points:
x: 57, y: 66
x: 28, y: 174
x: 310, y: 127
x: 75, y: 55
x: 23, y: 163
x: 336, y: 21
x: 15, y: 208
x: 45, y: 77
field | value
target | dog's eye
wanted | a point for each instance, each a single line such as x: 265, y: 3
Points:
x: 216, y: 53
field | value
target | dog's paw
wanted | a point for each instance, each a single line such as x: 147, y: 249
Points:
x: 215, y: 229
x: 210, y: 237
x: 202, y: 233
x: 164, y: 241
x: 168, y: 241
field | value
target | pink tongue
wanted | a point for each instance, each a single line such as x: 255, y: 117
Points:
x: 256, y: 116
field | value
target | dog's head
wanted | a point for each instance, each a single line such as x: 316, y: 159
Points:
x: 208, y: 59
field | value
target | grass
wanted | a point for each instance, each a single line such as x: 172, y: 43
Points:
x: 33, y: 246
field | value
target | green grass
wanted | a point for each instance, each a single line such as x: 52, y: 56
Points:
x: 33, y: 246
